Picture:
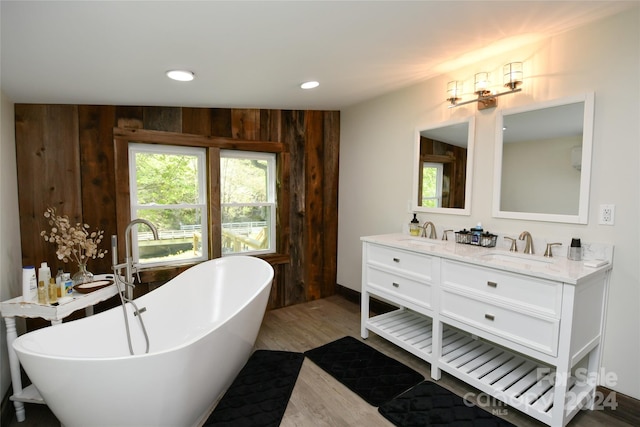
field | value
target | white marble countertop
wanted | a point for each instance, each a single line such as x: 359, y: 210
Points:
x: 558, y: 268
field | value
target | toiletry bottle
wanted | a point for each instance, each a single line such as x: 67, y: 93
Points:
x: 29, y: 284
x: 575, y: 250
x: 414, y: 226
x: 476, y: 234
x: 44, y: 274
x: 59, y: 282
x: 42, y: 293
x: 67, y: 283
x: 53, y: 291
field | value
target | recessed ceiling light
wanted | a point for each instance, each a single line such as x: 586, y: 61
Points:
x: 181, y: 75
x: 309, y: 85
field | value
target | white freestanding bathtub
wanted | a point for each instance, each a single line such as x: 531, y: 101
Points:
x: 202, y: 327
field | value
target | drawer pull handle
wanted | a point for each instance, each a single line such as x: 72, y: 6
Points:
x: 492, y: 284
x: 490, y: 317
x: 396, y: 285
x: 396, y: 260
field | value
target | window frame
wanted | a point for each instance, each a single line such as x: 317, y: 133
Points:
x: 213, y: 144
x: 201, y: 155
x: 272, y: 200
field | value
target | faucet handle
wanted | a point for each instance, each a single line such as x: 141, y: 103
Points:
x: 513, y: 247
x: 547, y: 251
x: 444, y: 234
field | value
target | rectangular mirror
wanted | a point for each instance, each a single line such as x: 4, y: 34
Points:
x: 443, y: 162
x: 543, y: 161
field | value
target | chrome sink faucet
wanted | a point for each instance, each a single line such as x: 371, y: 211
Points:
x: 432, y: 234
x: 528, y: 242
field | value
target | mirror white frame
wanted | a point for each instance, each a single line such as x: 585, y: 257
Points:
x: 585, y: 172
x: 470, y: 122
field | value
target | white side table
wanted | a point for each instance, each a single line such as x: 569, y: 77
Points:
x: 15, y: 307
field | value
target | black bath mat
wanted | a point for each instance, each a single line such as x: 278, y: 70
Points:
x: 259, y: 395
x: 364, y: 370
x: 428, y: 404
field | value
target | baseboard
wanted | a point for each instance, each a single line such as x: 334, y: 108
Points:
x: 376, y: 306
x: 626, y: 408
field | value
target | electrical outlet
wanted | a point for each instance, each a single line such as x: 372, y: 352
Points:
x: 607, y: 214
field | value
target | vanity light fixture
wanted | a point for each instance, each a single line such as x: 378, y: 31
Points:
x: 454, y: 91
x: 512, y: 78
x: 181, y: 75
x: 309, y: 85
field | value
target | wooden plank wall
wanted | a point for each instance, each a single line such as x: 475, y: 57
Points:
x: 65, y: 158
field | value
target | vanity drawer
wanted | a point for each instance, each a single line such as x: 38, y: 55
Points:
x: 533, y: 293
x: 398, y: 259
x: 400, y: 286
x: 539, y: 333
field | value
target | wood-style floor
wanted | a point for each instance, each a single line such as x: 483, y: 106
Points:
x: 320, y: 400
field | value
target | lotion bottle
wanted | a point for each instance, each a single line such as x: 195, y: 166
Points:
x: 44, y: 274
x: 29, y: 284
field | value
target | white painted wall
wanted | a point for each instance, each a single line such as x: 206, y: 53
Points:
x: 376, y: 163
x: 10, y: 249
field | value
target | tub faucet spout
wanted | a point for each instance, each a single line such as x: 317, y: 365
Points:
x: 129, y: 266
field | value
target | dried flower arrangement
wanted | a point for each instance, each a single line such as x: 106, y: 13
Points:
x: 75, y: 242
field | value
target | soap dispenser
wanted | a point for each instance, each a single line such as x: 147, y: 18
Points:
x: 414, y: 226
x: 476, y: 234
x: 575, y: 250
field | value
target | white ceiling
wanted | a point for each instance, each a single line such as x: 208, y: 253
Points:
x: 256, y: 54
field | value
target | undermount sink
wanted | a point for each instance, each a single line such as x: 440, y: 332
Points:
x: 422, y: 241
x: 516, y: 258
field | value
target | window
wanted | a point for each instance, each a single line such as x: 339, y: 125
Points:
x: 432, y: 184
x: 168, y: 188
x: 247, y: 202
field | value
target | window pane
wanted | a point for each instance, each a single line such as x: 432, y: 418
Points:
x: 429, y: 187
x: 166, y: 179
x: 243, y: 180
x: 245, y: 229
x: 180, y: 235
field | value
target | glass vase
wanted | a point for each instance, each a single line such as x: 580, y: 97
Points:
x: 82, y: 275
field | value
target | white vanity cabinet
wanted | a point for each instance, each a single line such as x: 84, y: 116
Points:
x: 528, y: 336
x: 404, y: 278
x: 516, y: 309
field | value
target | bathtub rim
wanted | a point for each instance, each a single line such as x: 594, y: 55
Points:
x: 19, y: 348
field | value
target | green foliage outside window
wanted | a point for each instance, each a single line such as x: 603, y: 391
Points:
x: 168, y: 179
x: 243, y: 181
x: 429, y: 187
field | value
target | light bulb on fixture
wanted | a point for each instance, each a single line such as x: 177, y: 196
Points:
x: 512, y: 75
x: 485, y: 100
x: 481, y: 85
x: 454, y: 91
